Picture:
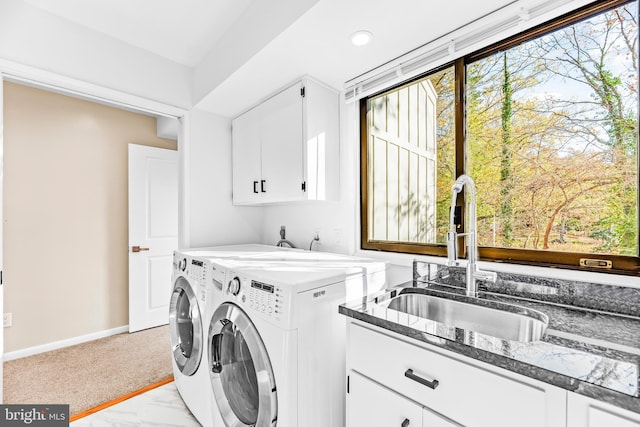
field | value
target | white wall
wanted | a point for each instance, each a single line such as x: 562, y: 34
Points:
x: 39, y: 39
x: 213, y: 220
x: 334, y: 220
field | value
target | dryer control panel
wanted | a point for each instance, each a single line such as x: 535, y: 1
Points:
x: 197, y: 273
x: 195, y: 270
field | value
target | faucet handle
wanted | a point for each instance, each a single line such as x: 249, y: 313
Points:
x: 452, y: 248
x: 487, y: 276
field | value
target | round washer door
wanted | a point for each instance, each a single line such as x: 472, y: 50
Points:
x: 240, y: 370
x: 185, y: 326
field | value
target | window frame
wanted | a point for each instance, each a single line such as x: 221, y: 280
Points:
x: 620, y: 264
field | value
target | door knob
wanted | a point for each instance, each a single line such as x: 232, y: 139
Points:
x: 138, y: 249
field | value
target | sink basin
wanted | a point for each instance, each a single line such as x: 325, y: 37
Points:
x: 500, y: 320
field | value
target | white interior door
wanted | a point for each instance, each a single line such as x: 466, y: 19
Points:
x: 153, y: 233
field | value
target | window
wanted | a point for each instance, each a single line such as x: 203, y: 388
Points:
x: 410, y: 144
x: 547, y: 127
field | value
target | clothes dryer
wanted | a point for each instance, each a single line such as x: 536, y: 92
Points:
x: 186, y: 308
x: 276, y: 343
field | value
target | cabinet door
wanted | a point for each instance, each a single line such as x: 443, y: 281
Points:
x: 585, y: 412
x: 431, y: 419
x: 246, y: 157
x: 372, y: 405
x: 281, y: 139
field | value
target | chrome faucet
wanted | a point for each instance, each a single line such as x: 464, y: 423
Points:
x: 472, y: 271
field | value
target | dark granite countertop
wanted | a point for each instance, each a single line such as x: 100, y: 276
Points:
x: 593, y: 353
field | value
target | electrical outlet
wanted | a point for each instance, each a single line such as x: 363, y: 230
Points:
x: 7, y: 319
x: 338, y: 237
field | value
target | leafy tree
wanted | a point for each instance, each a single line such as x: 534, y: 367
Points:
x: 561, y: 157
x: 506, y: 179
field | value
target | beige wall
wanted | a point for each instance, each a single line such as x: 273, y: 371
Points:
x: 65, y: 214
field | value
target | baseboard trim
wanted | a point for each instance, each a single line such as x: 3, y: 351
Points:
x: 12, y: 355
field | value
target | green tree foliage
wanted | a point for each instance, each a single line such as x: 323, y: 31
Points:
x: 506, y: 178
x: 563, y: 175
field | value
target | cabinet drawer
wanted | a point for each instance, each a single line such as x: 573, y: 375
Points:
x: 372, y: 405
x: 467, y: 394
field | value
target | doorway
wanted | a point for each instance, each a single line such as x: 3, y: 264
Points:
x: 65, y: 188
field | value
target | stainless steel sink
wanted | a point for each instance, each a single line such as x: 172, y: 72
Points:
x: 504, y: 321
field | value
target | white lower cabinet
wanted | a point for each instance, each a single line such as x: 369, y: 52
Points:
x: 373, y: 405
x: 453, y: 390
x: 586, y: 412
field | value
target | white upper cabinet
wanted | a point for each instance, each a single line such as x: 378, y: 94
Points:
x: 286, y: 148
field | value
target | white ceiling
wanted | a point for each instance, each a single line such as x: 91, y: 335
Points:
x: 317, y: 44
x: 182, y: 31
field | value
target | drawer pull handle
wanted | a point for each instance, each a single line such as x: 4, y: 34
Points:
x: 405, y: 423
x: 255, y: 190
x: 431, y: 384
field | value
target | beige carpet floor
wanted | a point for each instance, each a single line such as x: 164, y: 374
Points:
x: 90, y: 374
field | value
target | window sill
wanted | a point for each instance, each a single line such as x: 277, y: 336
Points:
x: 406, y: 260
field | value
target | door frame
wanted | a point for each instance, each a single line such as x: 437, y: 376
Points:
x: 1, y: 231
x: 30, y: 76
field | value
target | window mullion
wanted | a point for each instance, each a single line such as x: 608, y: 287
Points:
x: 460, y: 151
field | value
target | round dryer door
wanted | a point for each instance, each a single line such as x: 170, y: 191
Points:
x: 240, y: 370
x: 185, y: 326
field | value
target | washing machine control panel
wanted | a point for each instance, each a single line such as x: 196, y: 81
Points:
x: 264, y: 297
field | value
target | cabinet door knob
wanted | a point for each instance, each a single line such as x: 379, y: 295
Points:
x: 255, y: 189
x: 431, y: 384
x: 405, y: 423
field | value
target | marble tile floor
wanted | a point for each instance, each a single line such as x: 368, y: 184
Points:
x: 160, y: 407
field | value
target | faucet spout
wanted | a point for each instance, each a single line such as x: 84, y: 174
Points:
x: 472, y: 271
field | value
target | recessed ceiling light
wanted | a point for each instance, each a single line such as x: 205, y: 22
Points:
x: 361, y: 38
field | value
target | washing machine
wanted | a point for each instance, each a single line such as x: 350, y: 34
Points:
x: 276, y: 343
x: 187, y: 305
